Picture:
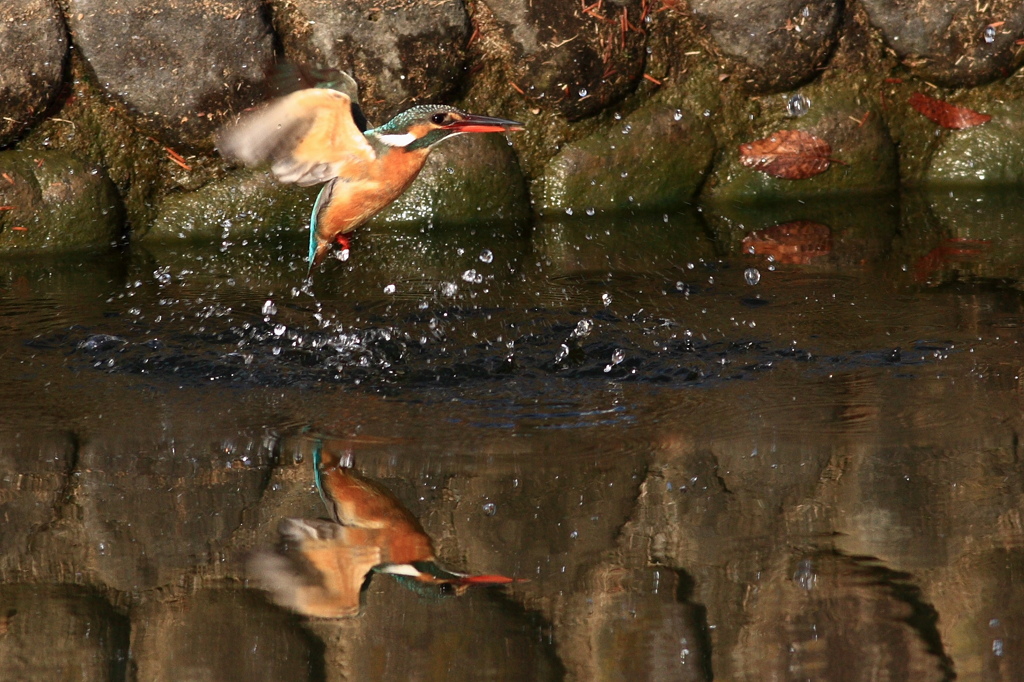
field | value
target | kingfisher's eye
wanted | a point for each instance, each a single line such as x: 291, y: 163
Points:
x: 439, y: 119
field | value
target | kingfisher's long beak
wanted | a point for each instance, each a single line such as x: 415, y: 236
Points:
x: 471, y: 123
x: 488, y: 580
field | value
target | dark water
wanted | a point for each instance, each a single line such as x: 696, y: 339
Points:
x: 801, y: 463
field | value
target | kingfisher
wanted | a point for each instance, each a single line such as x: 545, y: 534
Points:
x: 320, y: 135
x: 322, y: 566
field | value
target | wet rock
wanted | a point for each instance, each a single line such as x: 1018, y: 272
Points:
x: 245, y: 204
x: 56, y: 202
x: 60, y: 633
x: 220, y: 634
x: 182, y: 66
x: 848, y: 117
x: 33, y: 46
x: 952, y: 42
x: 654, y: 159
x: 569, y: 61
x: 988, y: 154
x: 469, y: 179
x: 401, y: 53
x: 777, y: 44
x: 34, y: 470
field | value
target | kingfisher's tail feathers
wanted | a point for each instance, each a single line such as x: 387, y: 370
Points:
x: 314, y: 219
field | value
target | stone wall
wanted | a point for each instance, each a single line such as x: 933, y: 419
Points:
x: 108, y: 108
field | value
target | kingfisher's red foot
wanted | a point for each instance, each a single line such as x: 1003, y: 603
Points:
x: 343, y: 241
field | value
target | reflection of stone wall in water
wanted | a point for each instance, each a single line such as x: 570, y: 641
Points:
x: 639, y: 104
x: 867, y: 529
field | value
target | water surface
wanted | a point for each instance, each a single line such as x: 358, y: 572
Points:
x: 737, y: 443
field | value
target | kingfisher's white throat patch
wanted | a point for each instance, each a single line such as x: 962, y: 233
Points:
x: 400, y: 569
x: 403, y: 140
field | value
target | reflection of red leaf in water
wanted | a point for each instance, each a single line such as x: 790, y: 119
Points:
x: 945, y: 114
x: 953, y: 250
x: 789, y: 154
x: 797, y: 242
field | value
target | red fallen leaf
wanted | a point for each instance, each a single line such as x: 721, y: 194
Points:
x: 789, y: 154
x: 797, y: 242
x: 945, y: 114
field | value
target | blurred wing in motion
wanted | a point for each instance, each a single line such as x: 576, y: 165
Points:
x: 308, y: 137
x: 317, y: 572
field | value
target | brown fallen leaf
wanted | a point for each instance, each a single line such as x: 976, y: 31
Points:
x: 789, y: 154
x: 796, y: 242
x: 945, y: 114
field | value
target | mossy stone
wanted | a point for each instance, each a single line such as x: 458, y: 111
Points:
x: 245, y: 203
x: 55, y: 201
x: 469, y: 179
x: 846, y: 115
x: 988, y: 154
x: 653, y: 159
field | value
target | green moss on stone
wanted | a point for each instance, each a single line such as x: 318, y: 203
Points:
x: 243, y: 204
x: 57, y: 202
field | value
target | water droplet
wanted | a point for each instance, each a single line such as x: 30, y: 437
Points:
x: 591, y: 211
x: 804, y: 575
x: 562, y: 354
x: 490, y: 509
x: 752, y: 276
x: 990, y: 34
x: 568, y: 211
x: 389, y: 289
x: 618, y: 355
x: 449, y: 289
x: 486, y: 256
x: 269, y: 308
x: 472, y: 276
x: 678, y: 115
x: 162, y: 275
x: 627, y: 129
x: 583, y: 328
x: 797, y: 105
x: 606, y: 298
x: 280, y: 329
x: 583, y: 92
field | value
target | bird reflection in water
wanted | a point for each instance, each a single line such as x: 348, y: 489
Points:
x: 322, y: 566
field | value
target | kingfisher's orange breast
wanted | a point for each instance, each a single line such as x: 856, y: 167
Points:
x: 356, y: 201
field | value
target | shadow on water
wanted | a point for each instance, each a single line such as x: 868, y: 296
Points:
x: 744, y: 443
